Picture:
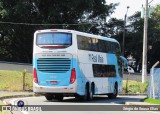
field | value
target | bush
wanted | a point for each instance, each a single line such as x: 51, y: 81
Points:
x: 134, y: 87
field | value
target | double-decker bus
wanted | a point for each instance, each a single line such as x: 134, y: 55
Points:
x: 73, y: 63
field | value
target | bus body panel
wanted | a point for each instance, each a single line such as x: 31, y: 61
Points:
x: 54, y: 82
x: 56, y: 78
x: 81, y: 60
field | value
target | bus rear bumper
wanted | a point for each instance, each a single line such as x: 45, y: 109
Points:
x: 61, y: 89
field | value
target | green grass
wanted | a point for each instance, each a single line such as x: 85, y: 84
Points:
x: 150, y: 100
x: 1, y: 103
x: 134, y: 87
x: 13, y: 80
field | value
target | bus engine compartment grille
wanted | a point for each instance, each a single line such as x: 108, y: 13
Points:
x: 54, y: 65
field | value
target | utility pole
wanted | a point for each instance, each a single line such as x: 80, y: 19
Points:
x: 124, y: 31
x: 144, y: 61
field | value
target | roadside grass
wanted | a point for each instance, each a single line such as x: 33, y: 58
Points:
x: 1, y: 103
x: 5, y: 112
x: 150, y: 100
x: 13, y: 80
x: 134, y: 87
x: 1, y: 95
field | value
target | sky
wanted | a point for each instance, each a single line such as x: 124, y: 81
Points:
x: 135, y: 5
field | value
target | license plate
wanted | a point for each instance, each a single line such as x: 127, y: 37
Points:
x: 53, y: 82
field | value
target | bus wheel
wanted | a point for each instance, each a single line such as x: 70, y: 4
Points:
x: 91, y: 92
x: 115, y: 92
x: 49, y: 96
x: 86, y: 96
x: 59, y: 97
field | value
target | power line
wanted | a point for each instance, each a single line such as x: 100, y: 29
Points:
x: 150, y: 1
x: 32, y: 24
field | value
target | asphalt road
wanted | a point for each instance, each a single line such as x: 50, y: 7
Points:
x: 98, y: 100
x: 15, y: 66
x: 102, y: 99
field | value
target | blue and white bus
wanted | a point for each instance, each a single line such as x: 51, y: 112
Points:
x: 72, y: 63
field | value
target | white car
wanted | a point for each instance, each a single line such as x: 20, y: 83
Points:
x: 130, y: 69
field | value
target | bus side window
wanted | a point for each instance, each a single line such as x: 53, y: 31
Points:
x: 104, y: 70
x: 82, y: 43
x: 94, y: 44
x: 107, y: 46
x: 89, y: 44
x: 101, y: 46
x: 117, y: 50
x: 113, y: 47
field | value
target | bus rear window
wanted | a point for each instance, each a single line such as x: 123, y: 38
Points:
x: 54, y: 39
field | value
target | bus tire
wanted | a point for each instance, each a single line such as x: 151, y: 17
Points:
x: 86, y: 95
x: 49, y: 96
x: 115, y: 92
x: 91, y: 93
x: 78, y: 97
x: 59, y: 97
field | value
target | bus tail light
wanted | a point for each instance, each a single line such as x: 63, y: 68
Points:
x: 35, y: 78
x: 73, y: 76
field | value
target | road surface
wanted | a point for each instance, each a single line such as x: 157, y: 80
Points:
x: 98, y: 100
x: 15, y: 66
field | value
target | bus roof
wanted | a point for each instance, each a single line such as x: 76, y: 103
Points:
x: 79, y: 33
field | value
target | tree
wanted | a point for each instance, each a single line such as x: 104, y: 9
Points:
x: 16, y: 39
x: 134, y: 38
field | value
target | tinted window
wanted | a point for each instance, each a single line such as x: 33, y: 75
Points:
x: 117, y: 49
x: 101, y: 46
x: 83, y: 43
x: 107, y: 46
x: 104, y: 70
x: 92, y: 44
x: 54, y: 39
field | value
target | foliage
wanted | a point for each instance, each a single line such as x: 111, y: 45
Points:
x: 89, y: 14
x: 134, y: 38
x: 16, y: 40
x: 150, y: 100
x: 135, y: 87
x: 1, y: 103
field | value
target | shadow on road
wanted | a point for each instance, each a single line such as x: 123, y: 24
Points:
x: 103, y: 99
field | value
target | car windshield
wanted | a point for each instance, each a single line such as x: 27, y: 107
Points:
x: 54, y: 39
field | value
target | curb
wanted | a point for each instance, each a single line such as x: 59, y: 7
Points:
x: 15, y: 96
